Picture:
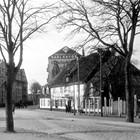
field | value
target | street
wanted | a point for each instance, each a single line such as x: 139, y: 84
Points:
x: 36, y: 124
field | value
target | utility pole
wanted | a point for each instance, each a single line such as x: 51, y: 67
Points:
x: 49, y: 89
x: 100, y: 52
x: 78, y: 85
x: 74, y: 95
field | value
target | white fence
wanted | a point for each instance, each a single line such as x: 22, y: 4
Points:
x: 117, y: 108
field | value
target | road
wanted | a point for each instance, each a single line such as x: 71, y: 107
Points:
x: 55, y: 125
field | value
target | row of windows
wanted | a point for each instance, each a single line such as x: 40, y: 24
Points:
x: 63, y: 89
x: 55, y: 103
x: 20, y: 77
x: 45, y: 103
x: 59, y: 102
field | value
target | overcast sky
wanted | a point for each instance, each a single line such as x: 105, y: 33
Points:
x: 40, y: 47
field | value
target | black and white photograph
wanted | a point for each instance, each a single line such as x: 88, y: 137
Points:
x: 69, y: 69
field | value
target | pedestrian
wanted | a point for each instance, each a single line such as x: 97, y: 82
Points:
x: 69, y: 106
x: 66, y: 108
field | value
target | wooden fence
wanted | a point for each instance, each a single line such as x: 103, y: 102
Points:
x: 117, y: 108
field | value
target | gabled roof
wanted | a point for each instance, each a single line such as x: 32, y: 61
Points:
x: 113, y: 70
x: 87, y: 65
x: 118, y: 73
x: 113, y: 73
x: 64, y: 51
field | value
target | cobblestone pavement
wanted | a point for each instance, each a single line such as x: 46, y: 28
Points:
x: 54, y: 125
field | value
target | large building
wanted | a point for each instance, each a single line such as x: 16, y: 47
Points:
x: 80, y: 83
x: 58, y: 60
x: 20, y: 87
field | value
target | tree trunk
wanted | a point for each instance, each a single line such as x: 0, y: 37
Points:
x: 11, y: 74
x: 129, y: 93
x: 9, y: 115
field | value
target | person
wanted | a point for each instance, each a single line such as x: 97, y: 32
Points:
x: 69, y: 106
x: 66, y: 108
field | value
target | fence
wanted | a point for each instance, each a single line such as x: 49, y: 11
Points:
x: 117, y: 108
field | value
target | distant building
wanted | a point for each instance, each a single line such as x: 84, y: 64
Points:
x: 20, y: 87
x: 2, y: 79
x: 58, y: 60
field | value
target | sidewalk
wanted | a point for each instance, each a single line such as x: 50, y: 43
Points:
x: 110, y: 120
x: 26, y: 135
x: 23, y: 134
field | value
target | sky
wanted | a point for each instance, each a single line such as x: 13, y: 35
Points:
x: 41, y: 46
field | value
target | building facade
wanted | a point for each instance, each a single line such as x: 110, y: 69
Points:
x: 69, y: 85
x: 81, y: 80
x: 20, y: 86
x: 58, y: 60
x: 2, y: 79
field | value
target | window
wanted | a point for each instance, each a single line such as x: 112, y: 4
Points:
x: 48, y: 102
x: 41, y: 102
x: 69, y: 90
x: 53, y: 102
x: 44, y: 102
x: 67, y: 78
x: 63, y: 102
x: 65, y: 89
x: 61, y: 91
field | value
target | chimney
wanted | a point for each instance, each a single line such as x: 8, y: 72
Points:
x: 83, y: 52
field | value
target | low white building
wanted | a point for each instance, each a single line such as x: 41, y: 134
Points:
x: 60, y: 96
x: 69, y: 86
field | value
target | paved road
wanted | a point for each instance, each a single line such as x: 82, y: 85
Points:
x: 53, y: 125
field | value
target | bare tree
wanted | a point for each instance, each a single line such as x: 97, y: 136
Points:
x: 19, y: 19
x: 110, y: 23
x: 35, y: 87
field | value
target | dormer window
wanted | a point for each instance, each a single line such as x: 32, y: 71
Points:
x: 67, y: 78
